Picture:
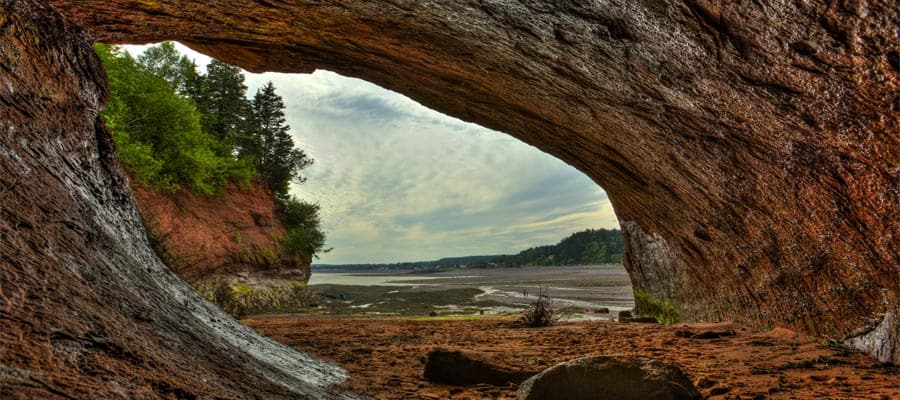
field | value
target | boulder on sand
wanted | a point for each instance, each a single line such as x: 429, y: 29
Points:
x: 610, y: 377
x: 456, y: 367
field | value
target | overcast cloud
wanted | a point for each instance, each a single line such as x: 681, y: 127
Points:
x: 399, y: 182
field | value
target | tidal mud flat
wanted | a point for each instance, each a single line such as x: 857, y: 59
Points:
x: 588, y: 292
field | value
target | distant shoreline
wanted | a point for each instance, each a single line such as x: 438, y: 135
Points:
x: 338, y: 269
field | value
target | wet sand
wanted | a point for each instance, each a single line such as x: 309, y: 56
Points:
x: 385, y: 356
x: 580, y: 291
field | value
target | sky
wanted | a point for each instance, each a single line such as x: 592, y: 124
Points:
x: 397, y: 181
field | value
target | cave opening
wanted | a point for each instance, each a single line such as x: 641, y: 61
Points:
x: 396, y: 182
x: 751, y: 184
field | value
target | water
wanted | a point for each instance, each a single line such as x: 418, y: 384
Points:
x: 364, y: 279
x: 581, y: 288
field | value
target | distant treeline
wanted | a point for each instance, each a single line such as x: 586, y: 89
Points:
x: 590, y: 247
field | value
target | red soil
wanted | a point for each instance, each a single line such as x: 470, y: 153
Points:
x: 235, y: 230
x: 385, y: 357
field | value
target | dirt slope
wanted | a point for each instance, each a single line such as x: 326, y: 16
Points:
x: 236, y: 230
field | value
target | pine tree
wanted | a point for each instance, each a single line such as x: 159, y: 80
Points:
x: 271, y: 144
x: 222, y: 100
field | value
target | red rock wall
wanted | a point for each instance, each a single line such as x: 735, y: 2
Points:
x: 87, y: 310
x: 750, y: 149
x: 236, y: 230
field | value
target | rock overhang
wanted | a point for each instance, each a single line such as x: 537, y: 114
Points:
x: 750, y: 150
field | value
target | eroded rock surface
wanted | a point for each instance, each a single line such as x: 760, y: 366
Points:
x: 751, y: 150
x: 86, y: 308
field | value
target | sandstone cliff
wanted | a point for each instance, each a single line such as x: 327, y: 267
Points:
x: 234, y: 231
x: 750, y: 150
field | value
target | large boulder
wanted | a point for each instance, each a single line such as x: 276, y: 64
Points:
x: 609, y: 377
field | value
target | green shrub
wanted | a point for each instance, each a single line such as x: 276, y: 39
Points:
x: 240, y: 300
x: 662, y: 310
x: 305, y: 237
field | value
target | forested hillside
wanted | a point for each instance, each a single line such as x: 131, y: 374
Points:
x: 177, y: 128
x: 593, y: 246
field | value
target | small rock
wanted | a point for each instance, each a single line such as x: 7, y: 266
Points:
x: 714, y: 334
x: 362, y: 350
x: 705, y: 382
x: 719, y: 390
x: 687, y: 334
x: 455, y: 367
x: 601, y: 310
x: 624, y: 314
x: 609, y: 377
x: 643, y: 320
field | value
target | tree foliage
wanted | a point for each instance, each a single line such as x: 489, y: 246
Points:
x: 174, y: 126
x: 158, y: 132
x: 176, y: 69
x: 223, y: 100
x: 304, y: 235
x: 271, y: 145
x: 589, y: 247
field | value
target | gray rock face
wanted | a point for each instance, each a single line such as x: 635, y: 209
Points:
x: 609, y: 377
x: 87, y: 310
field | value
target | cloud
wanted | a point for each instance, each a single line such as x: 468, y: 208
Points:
x: 399, y: 182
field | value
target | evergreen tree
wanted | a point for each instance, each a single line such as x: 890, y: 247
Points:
x: 271, y: 144
x: 222, y: 99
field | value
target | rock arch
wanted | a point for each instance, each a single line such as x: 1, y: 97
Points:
x: 750, y: 150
